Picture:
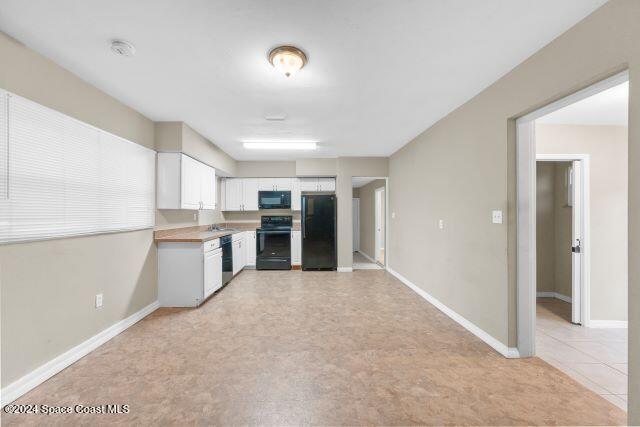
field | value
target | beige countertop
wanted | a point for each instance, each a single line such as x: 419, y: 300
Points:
x: 200, y: 233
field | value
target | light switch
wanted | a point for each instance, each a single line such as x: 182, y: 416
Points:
x: 98, y: 300
x: 393, y: 215
x: 441, y: 224
x: 496, y: 217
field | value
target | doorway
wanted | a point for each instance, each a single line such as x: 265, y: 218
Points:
x: 575, y: 317
x: 369, y: 222
x: 562, y: 226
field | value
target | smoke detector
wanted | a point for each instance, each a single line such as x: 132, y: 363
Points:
x: 123, y: 48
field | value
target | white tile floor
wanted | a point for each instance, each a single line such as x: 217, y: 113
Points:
x: 597, y: 358
x: 360, y: 262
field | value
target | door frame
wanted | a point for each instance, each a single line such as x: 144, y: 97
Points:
x: 377, y: 220
x: 356, y: 223
x: 583, y: 294
x: 526, y: 210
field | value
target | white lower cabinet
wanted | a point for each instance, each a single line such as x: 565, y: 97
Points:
x: 296, y: 248
x: 239, y: 257
x: 188, y: 273
x: 212, y: 271
x: 250, y: 248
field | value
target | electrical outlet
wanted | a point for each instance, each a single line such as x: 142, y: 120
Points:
x: 195, y: 216
x: 441, y: 224
x: 393, y: 215
x: 496, y: 217
x: 98, y: 300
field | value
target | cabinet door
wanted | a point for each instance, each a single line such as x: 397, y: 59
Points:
x: 308, y: 184
x: 190, y: 177
x: 250, y: 194
x: 296, y: 248
x: 210, y: 264
x: 267, y: 184
x: 295, y: 194
x: 326, y: 184
x: 283, y: 184
x: 250, y: 247
x: 236, y: 249
x: 208, y: 187
x: 232, y: 194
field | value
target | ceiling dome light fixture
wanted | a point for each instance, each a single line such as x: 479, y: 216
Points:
x: 287, y: 59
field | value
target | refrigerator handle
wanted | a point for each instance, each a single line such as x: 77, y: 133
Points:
x: 302, y: 219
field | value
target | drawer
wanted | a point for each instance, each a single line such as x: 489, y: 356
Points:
x: 237, y: 236
x: 211, y: 245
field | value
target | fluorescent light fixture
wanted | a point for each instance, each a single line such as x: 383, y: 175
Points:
x: 283, y: 145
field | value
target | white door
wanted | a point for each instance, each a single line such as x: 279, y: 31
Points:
x: 296, y: 247
x: 233, y: 194
x: 326, y: 184
x: 191, y: 177
x: 575, y: 186
x: 250, y: 247
x: 250, y: 194
x: 207, y: 187
x: 379, y: 215
x: 308, y: 184
x: 295, y: 195
x: 356, y: 224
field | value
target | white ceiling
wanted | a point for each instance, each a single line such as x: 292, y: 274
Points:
x: 609, y: 107
x: 360, y: 181
x: 379, y: 72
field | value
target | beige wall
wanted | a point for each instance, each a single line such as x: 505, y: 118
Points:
x: 368, y: 216
x: 563, y: 218
x: 545, y: 227
x: 48, y: 288
x: 553, y: 229
x: 347, y: 168
x: 464, y: 166
x: 255, y: 169
x: 607, y: 147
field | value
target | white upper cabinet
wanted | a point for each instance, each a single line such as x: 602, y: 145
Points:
x: 317, y: 184
x: 275, y: 184
x: 185, y: 183
x: 308, y: 184
x: 233, y: 194
x: 250, y: 194
x: 241, y: 194
x: 326, y: 184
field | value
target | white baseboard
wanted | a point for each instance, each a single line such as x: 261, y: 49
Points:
x: 52, y: 367
x: 345, y: 269
x: 555, y: 295
x: 508, y: 352
x: 608, y: 324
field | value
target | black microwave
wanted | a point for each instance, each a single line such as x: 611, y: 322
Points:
x: 274, y: 199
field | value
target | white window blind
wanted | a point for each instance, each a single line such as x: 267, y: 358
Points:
x: 68, y: 178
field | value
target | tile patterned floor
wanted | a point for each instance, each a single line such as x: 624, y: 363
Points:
x: 596, y: 358
x: 292, y: 348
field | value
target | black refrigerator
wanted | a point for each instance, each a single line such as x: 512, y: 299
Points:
x: 319, y: 232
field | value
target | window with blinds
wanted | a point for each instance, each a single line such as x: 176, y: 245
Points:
x: 61, y: 177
